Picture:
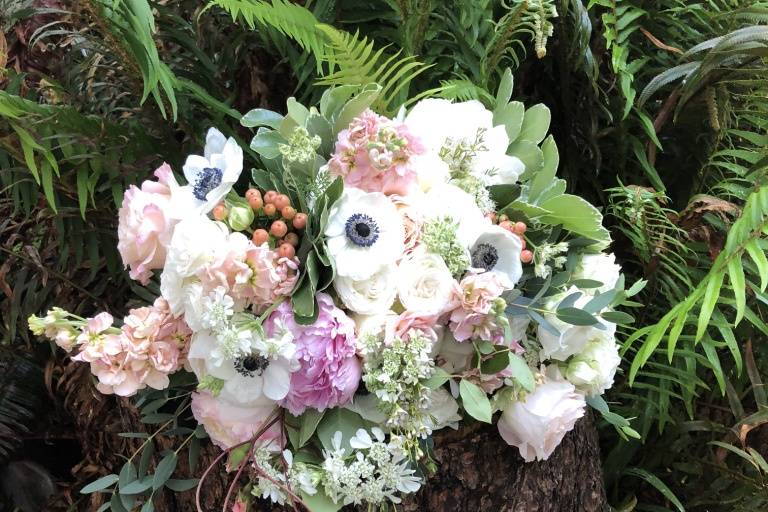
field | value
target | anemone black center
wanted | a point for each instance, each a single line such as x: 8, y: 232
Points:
x: 249, y: 365
x: 362, y: 230
x: 485, y: 256
x: 208, y: 179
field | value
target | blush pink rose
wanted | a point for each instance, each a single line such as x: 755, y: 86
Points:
x: 229, y: 425
x: 146, y: 225
x: 474, y: 317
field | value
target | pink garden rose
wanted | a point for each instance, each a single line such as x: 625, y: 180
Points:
x: 475, y: 316
x: 401, y: 325
x: 374, y: 154
x: 330, y: 371
x: 537, y: 425
x: 146, y: 225
x: 229, y: 425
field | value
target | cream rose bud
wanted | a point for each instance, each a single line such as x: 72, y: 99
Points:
x: 368, y: 296
x: 572, y: 338
x: 592, y: 371
x: 598, y: 267
x: 425, y: 285
x: 537, y: 425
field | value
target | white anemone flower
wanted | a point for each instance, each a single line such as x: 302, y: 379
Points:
x: 365, y: 232
x: 441, y: 124
x: 262, y: 370
x: 497, y: 250
x: 212, y: 175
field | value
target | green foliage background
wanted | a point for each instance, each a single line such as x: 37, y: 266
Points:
x: 659, y: 108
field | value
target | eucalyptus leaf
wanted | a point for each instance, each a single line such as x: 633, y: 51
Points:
x: 575, y: 316
x: 164, y: 470
x: 100, y: 484
x: 475, y: 401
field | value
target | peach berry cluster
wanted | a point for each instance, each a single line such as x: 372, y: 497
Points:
x: 516, y: 228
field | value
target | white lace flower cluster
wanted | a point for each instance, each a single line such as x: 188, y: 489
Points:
x: 373, y: 471
x: 272, y: 482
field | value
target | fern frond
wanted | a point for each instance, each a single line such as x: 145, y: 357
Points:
x: 462, y: 89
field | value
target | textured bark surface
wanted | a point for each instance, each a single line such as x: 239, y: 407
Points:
x: 478, y: 471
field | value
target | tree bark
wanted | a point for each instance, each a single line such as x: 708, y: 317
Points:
x: 479, y: 471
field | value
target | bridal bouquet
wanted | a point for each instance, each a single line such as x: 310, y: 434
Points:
x: 369, y: 281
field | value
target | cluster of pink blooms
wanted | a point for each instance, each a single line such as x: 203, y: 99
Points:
x: 374, y: 155
x: 330, y: 370
x: 150, y: 346
x: 475, y: 317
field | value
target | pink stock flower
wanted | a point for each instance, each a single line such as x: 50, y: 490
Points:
x: 330, y: 371
x: 229, y: 425
x: 374, y: 153
x: 146, y: 225
x: 151, y: 345
x: 474, y: 317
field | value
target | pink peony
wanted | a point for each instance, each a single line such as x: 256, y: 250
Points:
x: 229, y: 425
x: 330, y: 371
x: 537, y: 425
x: 374, y: 153
x: 474, y: 317
x: 146, y: 225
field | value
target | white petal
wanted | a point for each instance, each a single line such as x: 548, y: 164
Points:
x: 214, y: 142
x: 277, y: 381
x: 193, y: 166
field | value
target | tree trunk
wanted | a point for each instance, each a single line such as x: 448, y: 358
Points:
x: 479, y: 471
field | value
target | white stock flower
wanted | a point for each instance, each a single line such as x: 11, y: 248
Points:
x: 440, y: 124
x: 572, y: 338
x: 425, y: 285
x: 368, y: 296
x: 593, y: 369
x: 497, y: 250
x: 537, y: 425
x: 364, y: 233
x: 599, y: 267
x: 211, y: 176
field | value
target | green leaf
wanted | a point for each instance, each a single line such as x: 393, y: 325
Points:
x: 266, y: 143
x: 319, y: 502
x: 618, y: 317
x: 761, y: 262
x: 529, y: 210
x: 545, y: 176
x: 308, y: 424
x: 535, y: 123
x: 438, y: 378
x: 576, y: 215
x: 530, y: 154
x: 475, y: 401
x: 506, y: 84
x: 339, y: 420
x: 658, y: 484
x: 495, y: 364
x: 711, y: 295
x: 261, y: 117
x: 100, y: 484
x: 138, y: 486
x: 356, y: 106
x: 164, y: 470
x: 738, y: 284
x: 511, y: 116
x: 181, y: 485
x: 127, y: 475
x: 521, y: 372
x: 575, y: 316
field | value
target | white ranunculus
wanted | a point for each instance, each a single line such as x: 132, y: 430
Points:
x: 365, y: 232
x: 593, y: 369
x: 440, y: 124
x: 599, y: 267
x: 537, y: 425
x: 212, y: 175
x: 449, y: 201
x: 191, y: 247
x: 572, y: 338
x: 425, y: 285
x: 498, y: 251
x: 368, y: 296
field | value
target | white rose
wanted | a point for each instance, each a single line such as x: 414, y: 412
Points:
x: 537, y: 425
x: 368, y: 296
x: 599, y: 267
x: 592, y: 371
x: 572, y: 338
x: 425, y: 285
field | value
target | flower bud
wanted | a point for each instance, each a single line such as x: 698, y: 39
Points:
x: 240, y: 217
